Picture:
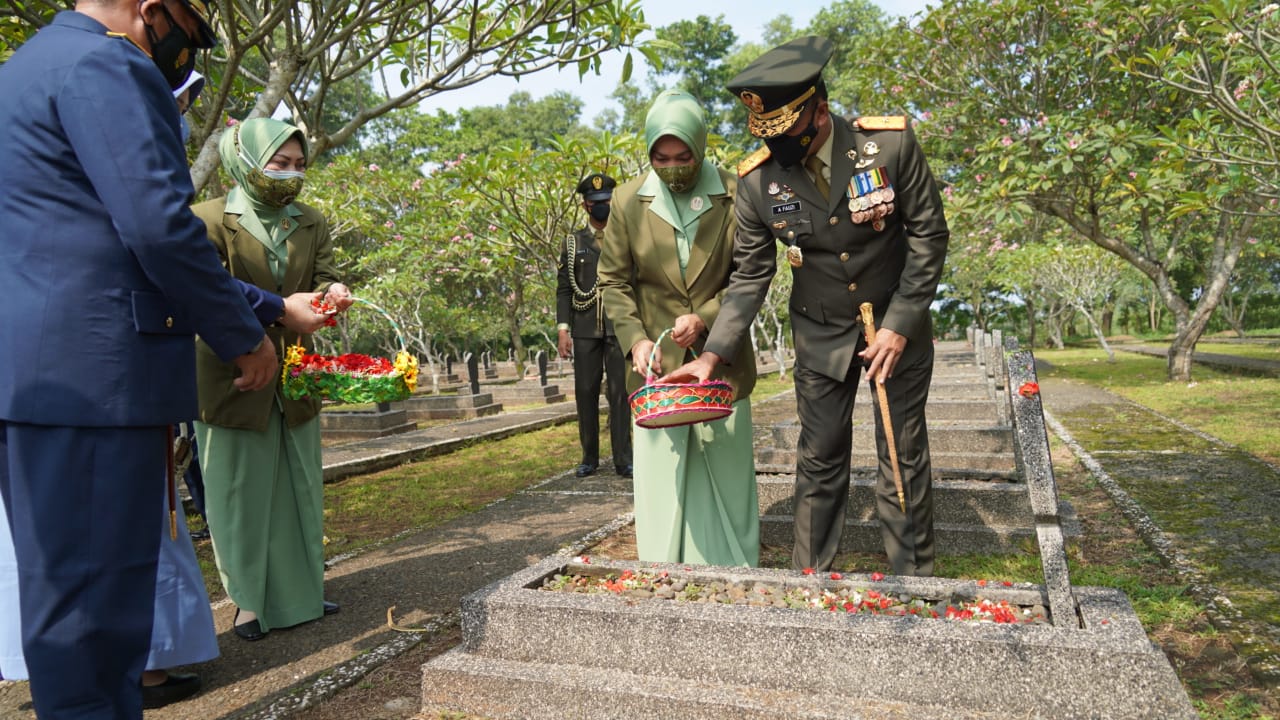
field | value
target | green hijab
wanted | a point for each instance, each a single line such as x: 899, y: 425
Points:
x: 677, y: 113
x: 246, y: 148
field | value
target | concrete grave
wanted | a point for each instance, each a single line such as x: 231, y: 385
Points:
x: 531, y: 653
x: 381, y: 421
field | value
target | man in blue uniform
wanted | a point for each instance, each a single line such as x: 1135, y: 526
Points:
x: 107, y: 275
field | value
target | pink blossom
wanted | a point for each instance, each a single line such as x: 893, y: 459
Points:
x: 232, y: 122
x: 373, y: 167
x: 455, y: 238
x: 1073, y: 143
x: 492, y: 228
x: 947, y: 191
x: 417, y: 184
x: 469, y: 236
x: 926, y: 115
x: 1003, y: 122
x: 1006, y: 141
x: 388, y: 224
x: 895, y: 89
x: 1133, y: 176
x: 1252, y: 241
x: 398, y: 237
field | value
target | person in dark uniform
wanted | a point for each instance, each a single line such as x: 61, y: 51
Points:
x: 587, y: 335
x: 860, y: 216
x: 108, y: 276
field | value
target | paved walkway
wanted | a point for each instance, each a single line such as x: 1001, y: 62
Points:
x: 1253, y: 366
x: 424, y: 574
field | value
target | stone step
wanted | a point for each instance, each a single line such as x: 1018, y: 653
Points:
x: 976, y: 411
x: 1095, y: 662
x: 863, y: 536
x: 943, y: 437
x: 356, y: 425
x: 863, y: 458
x: 955, y: 502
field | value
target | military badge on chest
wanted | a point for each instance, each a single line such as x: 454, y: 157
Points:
x: 871, y: 198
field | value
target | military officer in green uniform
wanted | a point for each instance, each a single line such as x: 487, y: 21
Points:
x: 586, y: 334
x: 860, y: 217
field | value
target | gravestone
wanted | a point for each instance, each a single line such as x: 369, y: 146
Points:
x: 542, y: 367
x: 473, y: 373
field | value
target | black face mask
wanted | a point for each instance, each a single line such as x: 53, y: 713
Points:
x: 791, y: 149
x: 174, y: 53
x: 599, y: 211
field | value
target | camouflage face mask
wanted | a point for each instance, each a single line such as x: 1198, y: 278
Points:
x: 679, y: 178
x: 276, y: 188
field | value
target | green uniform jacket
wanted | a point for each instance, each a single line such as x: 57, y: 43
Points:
x: 643, y: 290
x: 845, y: 263
x: 310, y: 269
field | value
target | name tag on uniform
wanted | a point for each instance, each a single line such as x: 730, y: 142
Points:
x: 786, y: 208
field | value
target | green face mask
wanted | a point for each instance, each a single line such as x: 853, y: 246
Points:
x: 679, y: 178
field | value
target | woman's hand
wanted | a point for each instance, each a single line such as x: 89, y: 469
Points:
x: 687, y: 329
x: 339, y: 296
x: 640, y: 357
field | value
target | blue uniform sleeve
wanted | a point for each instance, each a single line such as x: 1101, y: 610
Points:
x: 122, y: 123
x: 268, y: 306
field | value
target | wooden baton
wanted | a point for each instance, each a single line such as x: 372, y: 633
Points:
x: 869, y: 329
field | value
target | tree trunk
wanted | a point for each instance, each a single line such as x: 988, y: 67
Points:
x: 513, y: 328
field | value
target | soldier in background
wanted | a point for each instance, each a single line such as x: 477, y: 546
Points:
x: 586, y: 335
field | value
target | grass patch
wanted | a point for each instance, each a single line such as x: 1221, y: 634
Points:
x: 1243, y: 411
x: 1255, y: 350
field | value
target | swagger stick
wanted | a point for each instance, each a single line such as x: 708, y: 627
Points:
x: 869, y: 329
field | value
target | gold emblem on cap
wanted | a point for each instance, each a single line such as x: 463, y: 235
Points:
x: 182, y: 58
x: 597, y: 182
x: 753, y: 101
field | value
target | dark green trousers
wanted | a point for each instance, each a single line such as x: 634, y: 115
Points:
x: 825, y: 407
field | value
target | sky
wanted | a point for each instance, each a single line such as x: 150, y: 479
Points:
x: 748, y: 18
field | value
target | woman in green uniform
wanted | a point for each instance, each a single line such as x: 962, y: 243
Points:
x: 667, y: 254
x: 260, y: 452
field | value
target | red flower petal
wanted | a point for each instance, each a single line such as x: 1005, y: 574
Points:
x: 807, y: 571
x: 837, y: 576
x: 877, y: 577
x: 1029, y: 389
x: 1006, y: 583
x: 982, y: 583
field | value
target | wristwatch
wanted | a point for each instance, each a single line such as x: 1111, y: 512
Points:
x: 562, y: 326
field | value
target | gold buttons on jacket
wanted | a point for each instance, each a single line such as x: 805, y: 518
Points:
x: 844, y: 257
x: 834, y: 219
x: 168, y: 322
x: 853, y: 287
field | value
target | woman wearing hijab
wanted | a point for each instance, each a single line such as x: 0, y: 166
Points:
x: 260, y: 452
x: 666, y: 256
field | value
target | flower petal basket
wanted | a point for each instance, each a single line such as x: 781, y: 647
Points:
x: 661, y: 405
x: 352, y: 378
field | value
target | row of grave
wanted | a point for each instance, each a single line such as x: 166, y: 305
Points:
x: 531, y: 653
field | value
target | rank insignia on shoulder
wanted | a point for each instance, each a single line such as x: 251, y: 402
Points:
x: 882, y: 122
x: 753, y: 161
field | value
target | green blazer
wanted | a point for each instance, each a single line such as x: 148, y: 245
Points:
x: 644, y: 291
x: 310, y: 269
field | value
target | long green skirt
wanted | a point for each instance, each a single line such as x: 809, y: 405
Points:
x: 264, y: 501
x: 695, y: 492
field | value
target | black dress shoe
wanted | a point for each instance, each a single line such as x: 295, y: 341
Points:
x: 625, y: 471
x: 331, y: 608
x: 200, y: 534
x: 177, y: 686
x: 584, y: 470
x: 250, y: 630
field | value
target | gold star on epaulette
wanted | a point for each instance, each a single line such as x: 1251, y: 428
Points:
x: 882, y: 122
x: 753, y: 161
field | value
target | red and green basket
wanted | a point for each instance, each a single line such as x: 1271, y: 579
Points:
x: 352, y: 378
